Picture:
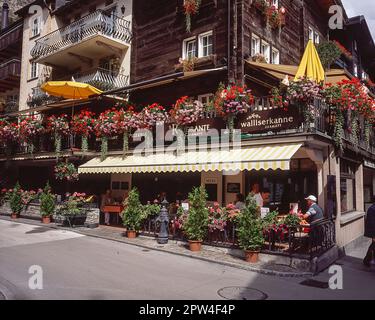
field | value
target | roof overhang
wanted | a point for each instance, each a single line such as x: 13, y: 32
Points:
x: 279, y: 71
x: 164, y: 80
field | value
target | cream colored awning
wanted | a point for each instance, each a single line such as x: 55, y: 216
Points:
x: 255, y: 158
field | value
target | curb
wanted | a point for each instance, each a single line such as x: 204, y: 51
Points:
x: 224, y: 263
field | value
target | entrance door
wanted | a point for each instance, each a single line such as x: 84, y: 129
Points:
x: 176, y: 185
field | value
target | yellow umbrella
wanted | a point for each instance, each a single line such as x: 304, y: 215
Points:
x: 311, y: 67
x: 69, y: 89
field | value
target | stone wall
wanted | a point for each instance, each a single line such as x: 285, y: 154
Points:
x: 33, y: 212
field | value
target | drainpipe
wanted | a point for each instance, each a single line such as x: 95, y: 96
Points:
x: 5, y: 16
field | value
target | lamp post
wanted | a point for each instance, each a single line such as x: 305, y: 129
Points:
x: 163, y: 218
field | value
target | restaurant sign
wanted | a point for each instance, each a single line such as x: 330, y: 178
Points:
x: 203, y: 126
x: 269, y: 120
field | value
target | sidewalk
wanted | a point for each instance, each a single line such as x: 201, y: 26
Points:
x: 217, y: 255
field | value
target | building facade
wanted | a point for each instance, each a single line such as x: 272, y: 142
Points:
x: 141, y: 51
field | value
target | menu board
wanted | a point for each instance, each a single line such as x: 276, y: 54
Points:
x: 279, y: 191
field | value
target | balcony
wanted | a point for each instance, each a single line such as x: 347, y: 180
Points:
x: 10, y: 41
x: 103, y: 79
x: 92, y: 37
x: 39, y: 98
x: 10, y: 73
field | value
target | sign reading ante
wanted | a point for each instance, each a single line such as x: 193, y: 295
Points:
x: 269, y: 120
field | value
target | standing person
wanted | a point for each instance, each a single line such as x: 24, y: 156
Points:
x: 256, y: 194
x: 265, y: 194
x: 105, y: 201
x: 162, y: 197
x: 370, y: 233
x: 240, y: 201
x: 314, y: 212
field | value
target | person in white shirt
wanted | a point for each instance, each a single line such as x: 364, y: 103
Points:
x: 256, y: 194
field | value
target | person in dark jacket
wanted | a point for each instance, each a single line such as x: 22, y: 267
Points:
x: 370, y: 233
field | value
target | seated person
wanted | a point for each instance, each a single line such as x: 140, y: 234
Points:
x: 314, y: 212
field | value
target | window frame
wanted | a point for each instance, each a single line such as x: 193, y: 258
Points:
x: 355, y: 70
x: 275, y: 3
x: 200, y: 43
x: 38, y: 27
x: 184, y: 47
x: 32, y: 70
x: 278, y: 55
x: 316, y: 37
x: 268, y: 56
x: 311, y: 33
x: 207, y: 96
x: 348, y: 174
x: 258, y: 48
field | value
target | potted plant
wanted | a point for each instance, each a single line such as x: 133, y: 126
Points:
x: 72, y: 210
x: 250, y: 231
x: 15, y: 201
x: 132, y: 216
x: 196, y: 224
x: 47, y: 204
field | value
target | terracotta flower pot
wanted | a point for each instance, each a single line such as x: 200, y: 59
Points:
x: 252, y: 256
x: 131, y: 234
x: 195, y: 246
x: 46, y: 220
x: 15, y: 216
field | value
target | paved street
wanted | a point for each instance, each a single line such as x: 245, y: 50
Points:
x: 80, y: 267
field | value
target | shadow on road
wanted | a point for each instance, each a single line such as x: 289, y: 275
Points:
x: 38, y: 230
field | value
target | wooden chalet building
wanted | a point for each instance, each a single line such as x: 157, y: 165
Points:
x: 229, y: 42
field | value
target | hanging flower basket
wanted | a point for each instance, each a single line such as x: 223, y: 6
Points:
x: 30, y: 128
x: 83, y: 125
x: 191, y: 7
x: 65, y: 171
x: 153, y: 114
x: 232, y: 101
x: 107, y: 126
x: 8, y: 131
x: 126, y: 121
x: 58, y: 126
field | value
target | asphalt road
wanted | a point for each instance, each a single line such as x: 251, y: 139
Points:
x: 79, y: 267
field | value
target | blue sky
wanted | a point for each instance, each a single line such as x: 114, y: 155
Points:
x: 362, y: 7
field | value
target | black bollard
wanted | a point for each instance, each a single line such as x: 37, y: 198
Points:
x: 163, y: 218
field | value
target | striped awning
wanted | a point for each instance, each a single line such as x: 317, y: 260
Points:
x: 271, y: 157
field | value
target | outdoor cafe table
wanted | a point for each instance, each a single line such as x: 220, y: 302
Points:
x: 114, y: 209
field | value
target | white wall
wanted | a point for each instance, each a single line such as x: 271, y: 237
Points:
x: 27, y: 84
x: 52, y: 23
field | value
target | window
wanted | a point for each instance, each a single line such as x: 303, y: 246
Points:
x: 311, y: 33
x: 189, y: 48
x: 355, y: 70
x: 316, y: 38
x: 206, y: 98
x: 205, y: 44
x: 266, y: 51
x: 35, y: 30
x: 275, y: 3
x: 355, y: 45
x: 347, y: 186
x: 275, y: 58
x: 255, y: 45
x: 34, y: 67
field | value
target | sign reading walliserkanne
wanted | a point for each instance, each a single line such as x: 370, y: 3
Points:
x: 269, y: 120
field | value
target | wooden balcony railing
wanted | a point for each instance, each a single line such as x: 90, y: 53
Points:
x: 11, y: 37
x: 96, y: 23
x: 11, y: 68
